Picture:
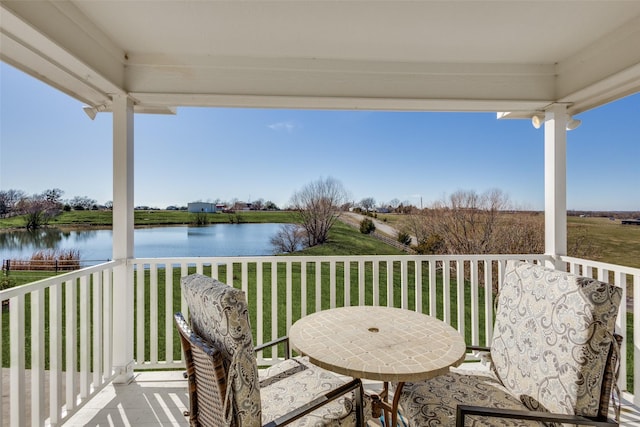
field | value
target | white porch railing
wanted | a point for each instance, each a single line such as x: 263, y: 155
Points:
x: 67, y: 320
x: 60, y: 334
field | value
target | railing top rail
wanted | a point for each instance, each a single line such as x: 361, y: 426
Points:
x: 355, y: 258
x: 50, y: 281
x: 603, y: 265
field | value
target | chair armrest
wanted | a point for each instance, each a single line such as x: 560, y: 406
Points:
x: 353, y: 385
x: 464, y: 410
x: 277, y: 341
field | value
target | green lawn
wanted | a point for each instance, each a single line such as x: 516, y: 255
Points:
x: 154, y: 217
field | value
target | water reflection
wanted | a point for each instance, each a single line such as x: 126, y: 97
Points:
x: 37, y: 239
x: 152, y: 242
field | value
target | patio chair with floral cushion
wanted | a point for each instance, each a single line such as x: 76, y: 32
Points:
x: 554, y: 359
x: 225, y: 385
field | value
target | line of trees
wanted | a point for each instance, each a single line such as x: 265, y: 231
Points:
x: 471, y: 223
x: 39, y: 208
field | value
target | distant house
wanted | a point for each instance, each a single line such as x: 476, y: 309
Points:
x: 196, y: 207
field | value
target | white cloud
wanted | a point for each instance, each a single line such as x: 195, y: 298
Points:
x: 287, y: 126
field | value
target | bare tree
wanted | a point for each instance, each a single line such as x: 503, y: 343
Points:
x: 9, y: 200
x: 367, y: 203
x: 466, y: 223
x: 318, y: 205
x: 469, y: 220
x: 288, y: 239
x: 257, y: 205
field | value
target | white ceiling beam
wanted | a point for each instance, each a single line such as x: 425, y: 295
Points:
x: 606, y: 70
x: 481, y: 84
x: 66, y: 47
x: 334, y: 103
x: 38, y: 66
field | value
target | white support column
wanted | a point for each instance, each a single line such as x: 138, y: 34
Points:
x: 123, y: 238
x: 555, y: 181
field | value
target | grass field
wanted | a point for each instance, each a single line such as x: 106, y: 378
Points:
x: 154, y: 217
x: 613, y: 242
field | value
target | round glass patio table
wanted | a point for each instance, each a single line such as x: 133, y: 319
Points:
x: 379, y: 343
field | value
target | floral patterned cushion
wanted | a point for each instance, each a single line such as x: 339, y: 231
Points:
x: 218, y: 313
x: 294, y: 382
x: 552, y: 335
x: 434, y: 402
x: 551, y: 341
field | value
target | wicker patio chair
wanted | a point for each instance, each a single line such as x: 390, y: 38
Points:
x: 554, y: 359
x: 225, y: 386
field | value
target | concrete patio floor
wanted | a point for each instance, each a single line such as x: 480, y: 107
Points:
x: 160, y: 398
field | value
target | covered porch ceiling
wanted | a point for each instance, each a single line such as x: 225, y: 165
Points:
x: 518, y: 57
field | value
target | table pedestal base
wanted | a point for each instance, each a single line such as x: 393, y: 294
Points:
x: 380, y: 404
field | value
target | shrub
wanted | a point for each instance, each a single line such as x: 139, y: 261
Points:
x: 367, y: 226
x: 434, y: 244
x: 6, y: 282
x: 404, y: 238
x: 200, y: 218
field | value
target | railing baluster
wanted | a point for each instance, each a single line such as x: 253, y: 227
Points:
x: 318, y: 274
x: 417, y: 285
x: 346, y: 275
x: 475, y: 317
x: 17, y: 344
x: 390, y: 283
x: 446, y: 291
x: 460, y: 293
x: 55, y: 353
x: 259, y: 305
x: 107, y: 322
x: 332, y: 284
x: 168, y: 313
x: 433, y: 296
x: 140, y: 314
x: 376, y: 282
x: 229, y: 280
x: 85, y: 340
x: 289, y: 295
x: 404, y: 284
x: 97, y: 328
x: 71, y: 343
x: 274, y: 301
x: 303, y: 288
x: 153, y: 314
x: 184, y: 271
x: 361, y: 282
x: 37, y: 357
x: 488, y: 301
x: 244, y: 270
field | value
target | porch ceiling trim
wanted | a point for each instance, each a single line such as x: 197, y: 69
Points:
x: 81, y: 49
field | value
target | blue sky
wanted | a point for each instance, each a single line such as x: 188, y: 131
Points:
x: 47, y: 141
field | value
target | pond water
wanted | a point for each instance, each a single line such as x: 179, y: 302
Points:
x: 173, y: 241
